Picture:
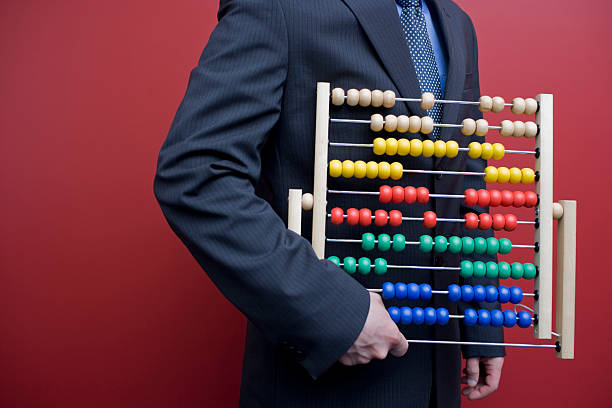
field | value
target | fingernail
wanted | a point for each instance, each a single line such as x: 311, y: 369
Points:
x: 471, y: 382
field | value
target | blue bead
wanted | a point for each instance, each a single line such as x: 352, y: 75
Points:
x: 425, y: 291
x: 484, y: 317
x: 388, y: 290
x: 394, y: 312
x: 504, y: 294
x: 497, y: 318
x: 509, y: 318
x: 516, y: 294
x: 401, y: 291
x: 479, y: 293
x: 441, y: 316
x: 470, y: 317
x: 454, y: 292
x: 524, y: 319
x: 491, y: 293
x: 413, y: 291
x: 430, y: 316
x: 467, y: 293
x: 406, y: 315
x: 418, y: 315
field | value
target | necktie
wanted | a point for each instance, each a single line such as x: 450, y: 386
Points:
x: 421, y: 51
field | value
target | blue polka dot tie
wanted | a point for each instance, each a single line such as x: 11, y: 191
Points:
x: 421, y: 51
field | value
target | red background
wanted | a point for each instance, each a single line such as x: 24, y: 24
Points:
x: 101, y: 305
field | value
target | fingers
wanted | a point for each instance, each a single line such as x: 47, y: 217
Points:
x: 489, y: 380
x: 400, y: 346
x: 472, y: 371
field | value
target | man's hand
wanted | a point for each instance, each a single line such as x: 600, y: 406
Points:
x: 378, y: 337
x: 482, y: 375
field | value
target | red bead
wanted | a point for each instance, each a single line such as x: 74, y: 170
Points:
x: 507, y: 198
x: 471, y: 221
x: 380, y: 218
x: 483, y: 198
x: 398, y: 194
x: 496, y: 198
x: 511, y: 222
x: 365, y: 217
x: 429, y: 219
x: 422, y: 195
x: 385, y: 194
x: 531, y: 199
x: 499, y: 221
x: 519, y: 199
x: 352, y: 216
x: 337, y: 216
x: 395, y: 218
x: 485, y: 221
x: 471, y: 197
x: 410, y: 195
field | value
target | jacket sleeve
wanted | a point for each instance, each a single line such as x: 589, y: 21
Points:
x: 479, y: 333
x: 205, y: 184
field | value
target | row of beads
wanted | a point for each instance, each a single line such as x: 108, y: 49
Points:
x: 467, y: 293
x: 418, y: 316
x: 512, y: 175
x: 439, y: 244
x: 501, y: 270
x: 415, y: 147
x: 484, y: 221
x: 520, y: 106
x: 471, y: 317
x: 363, y: 265
x: 505, y: 198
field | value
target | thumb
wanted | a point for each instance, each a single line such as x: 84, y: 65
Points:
x: 472, y: 369
x: 400, y: 346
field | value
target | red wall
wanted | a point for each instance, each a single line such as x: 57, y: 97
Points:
x: 100, y: 304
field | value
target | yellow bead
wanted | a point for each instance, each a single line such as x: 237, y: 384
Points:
x: 498, y: 151
x: 391, y: 146
x: 503, y: 175
x: 348, y: 169
x: 515, y: 175
x: 380, y: 146
x: 428, y: 148
x: 452, y: 149
x: 397, y: 171
x: 475, y: 150
x: 384, y: 170
x: 403, y: 147
x: 439, y: 148
x: 490, y: 174
x: 371, y: 170
x: 528, y: 176
x: 487, y: 151
x: 416, y: 147
x: 360, y: 169
x: 335, y: 168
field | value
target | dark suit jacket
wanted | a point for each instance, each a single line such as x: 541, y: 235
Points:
x: 244, y: 135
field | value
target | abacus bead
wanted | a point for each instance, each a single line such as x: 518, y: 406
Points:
x: 515, y: 175
x: 403, y: 147
x: 439, y: 148
x: 479, y: 293
x: 503, y: 294
x: 425, y: 243
x: 507, y: 198
x: 335, y: 260
x: 399, y: 242
x: 480, y: 245
x: 484, y: 317
x: 480, y: 269
x: 524, y: 319
x: 467, y: 245
x: 428, y: 148
x: 386, y: 194
x: 511, y: 222
x: 503, y: 270
x: 454, y: 245
x: 337, y: 96
x: 380, y: 266
x: 507, y: 128
x: 452, y: 149
x: 440, y: 244
x: 413, y: 291
x: 427, y: 101
x: 416, y: 147
x: 505, y: 246
x: 429, y: 219
x: 388, y: 290
x: 509, y: 318
x: 518, y: 106
x: 376, y: 122
x: 491, y: 294
x: 519, y: 128
x: 422, y: 195
x: 348, y: 169
x: 516, y: 294
x: 427, y: 125
x: 498, y: 222
x: 368, y: 241
x: 529, y: 271
x: 401, y: 291
x: 394, y: 312
x: 531, y: 106
x: 360, y: 169
x: 410, y: 195
x: 492, y: 246
x: 380, y: 146
x: 395, y: 218
x: 531, y: 198
x: 467, y: 269
x: 517, y: 270
x: 405, y: 315
x: 391, y: 146
x: 528, y: 176
x: 498, y: 151
x: 384, y: 170
x: 471, y: 221
x: 335, y: 168
x: 425, y: 291
x: 396, y: 194
x: 483, y: 198
x: 503, y: 175
x: 430, y: 316
x: 454, y: 292
x: 388, y: 99
x: 490, y: 174
x: 390, y: 123
x: 470, y: 317
x: 418, y: 315
x: 498, y: 104
x: 350, y: 264
x: 403, y: 124
x: 365, y: 97
x: 365, y: 217
x: 471, y: 197
x: 475, y: 150
x: 497, y: 318
x: 414, y: 123
x: 485, y: 221
x: 468, y: 127
x: 352, y: 97
x: 531, y: 130
x: 377, y: 98
x: 396, y: 171
x: 442, y: 316
x: 371, y: 169
x: 467, y: 293
x: 384, y: 242
x: 337, y: 216
x: 364, y: 265
x: 482, y: 127
x: 487, y: 151
x: 486, y: 104
x: 380, y: 218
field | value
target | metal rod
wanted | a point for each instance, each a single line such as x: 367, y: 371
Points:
x: 477, y: 343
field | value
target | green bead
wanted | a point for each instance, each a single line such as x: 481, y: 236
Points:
x: 399, y: 242
x: 454, y: 245
x: 467, y: 269
x: 505, y: 246
x: 350, y: 265
x: 334, y: 259
x: 529, y: 271
x: 467, y: 245
x: 504, y: 270
x: 368, y: 241
x: 517, y: 270
x: 380, y: 266
x: 492, y: 270
x: 480, y: 245
x: 426, y: 243
x: 441, y: 244
x: 492, y: 246
x: 384, y: 242
x: 365, y: 266
x: 480, y: 269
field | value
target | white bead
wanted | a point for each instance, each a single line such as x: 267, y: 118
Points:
x: 390, y: 123
x: 403, y: 123
x: 531, y: 130
x: 531, y: 106
x: 308, y: 199
x: 337, y: 96
x: 486, y: 104
x: 376, y: 124
x: 482, y: 127
x: 352, y: 97
x: 507, y: 128
x: 365, y: 97
x: 377, y: 98
x: 469, y: 126
x: 415, y: 124
x: 498, y: 104
x: 389, y: 99
x: 518, y: 106
x: 427, y: 101
x: 427, y: 125
x: 519, y: 129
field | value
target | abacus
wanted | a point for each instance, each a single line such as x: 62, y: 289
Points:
x: 541, y: 200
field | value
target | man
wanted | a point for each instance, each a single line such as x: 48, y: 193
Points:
x: 244, y: 135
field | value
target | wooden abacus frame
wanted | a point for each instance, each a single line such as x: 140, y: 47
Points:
x: 546, y: 211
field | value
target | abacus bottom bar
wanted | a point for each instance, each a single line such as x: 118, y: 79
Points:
x: 556, y: 346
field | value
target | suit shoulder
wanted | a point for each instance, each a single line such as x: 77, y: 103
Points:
x: 458, y: 13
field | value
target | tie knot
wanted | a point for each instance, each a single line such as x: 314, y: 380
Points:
x: 408, y: 3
